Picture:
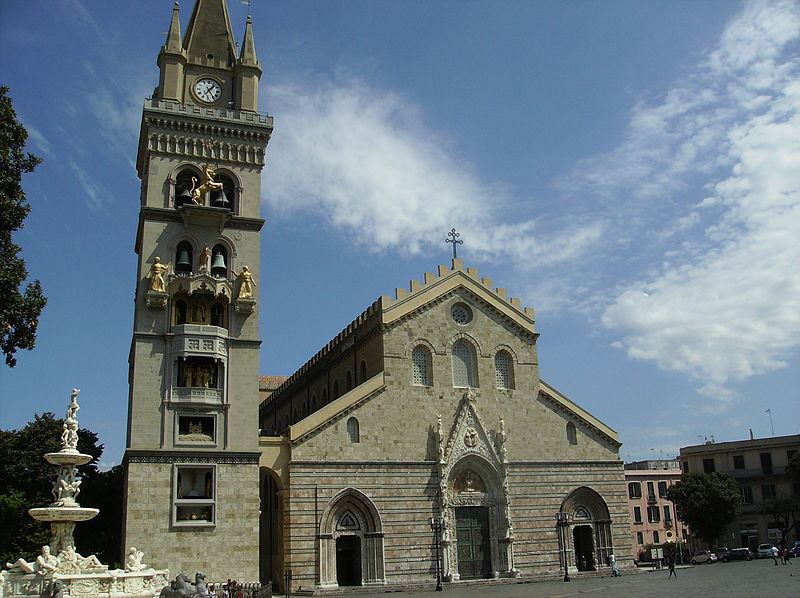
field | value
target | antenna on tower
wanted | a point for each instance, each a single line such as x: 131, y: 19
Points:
x: 772, y: 429
x: 248, y: 4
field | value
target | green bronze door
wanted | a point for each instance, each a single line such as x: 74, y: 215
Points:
x: 472, y: 536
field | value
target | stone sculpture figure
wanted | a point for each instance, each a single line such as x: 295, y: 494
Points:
x: 247, y: 282
x: 204, y: 257
x: 45, y: 563
x: 183, y: 588
x: 208, y: 184
x: 157, y: 269
x: 134, y: 562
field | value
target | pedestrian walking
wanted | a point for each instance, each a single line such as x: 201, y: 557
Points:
x: 785, y: 554
x: 775, y: 554
x: 612, y: 560
x: 672, y: 569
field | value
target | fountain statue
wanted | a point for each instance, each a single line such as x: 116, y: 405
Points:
x: 60, y: 571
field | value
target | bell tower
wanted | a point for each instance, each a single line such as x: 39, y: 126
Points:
x: 192, y: 499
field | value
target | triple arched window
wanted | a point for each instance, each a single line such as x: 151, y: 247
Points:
x: 421, y: 368
x: 465, y: 367
x: 503, y: 370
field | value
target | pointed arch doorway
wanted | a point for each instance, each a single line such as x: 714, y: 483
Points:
x: 351, y: 542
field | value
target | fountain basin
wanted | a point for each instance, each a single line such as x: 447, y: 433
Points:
x: 67, y: 457
x: 63, y: 513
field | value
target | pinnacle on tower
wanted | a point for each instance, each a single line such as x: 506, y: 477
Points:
x: 174, y: 34
x: 247, y: 57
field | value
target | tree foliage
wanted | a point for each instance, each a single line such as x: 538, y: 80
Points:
x: 706, y: 502
x: 784, y: 511
x: 26, y: 481
x: 19, y: 311
x: 793, y: 470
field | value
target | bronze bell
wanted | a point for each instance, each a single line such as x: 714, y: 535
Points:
x: 218, y: 267
x: 221, y: 200
x: 185, y: 196
x: 183, y: 265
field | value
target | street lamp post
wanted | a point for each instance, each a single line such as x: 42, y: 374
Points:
x: 436, y: 526
x: 562, y: 521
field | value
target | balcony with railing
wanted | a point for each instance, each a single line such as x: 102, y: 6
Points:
x: 197, y: 396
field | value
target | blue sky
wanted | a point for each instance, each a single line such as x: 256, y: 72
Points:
x: 631, y: 169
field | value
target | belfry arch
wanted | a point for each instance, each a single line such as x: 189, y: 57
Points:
x: 589, y: 532
x: 351, y: 541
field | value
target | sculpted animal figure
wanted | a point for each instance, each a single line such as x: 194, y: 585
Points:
x: 208, y: 184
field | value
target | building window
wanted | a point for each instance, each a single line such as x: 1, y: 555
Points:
x: 198, y: 372
x: 181, y: 312
x: 747, y: 495
x: 637, y: 514
x: 768, y: 491
x: 639, y: 538
x: 461, y: 313
x: 634, y: 490
x: 662, y: 489
x: 572, y: 433
x: 667, y: 514
x: 195, y: 428
x: 313, y: 403
x: 685, y: 467
x: 653, y: 514
x: 348, y: 381
x: 656, y: 538
x: 362, y: 371
x: 464, y: 365
x: 504, y: 370
x: 194, y: 495
x: 651, y: 491
x: 708, y: 466
x: 335, y: 389
x: 324, y: 396
x: 766, y: 463
x: 421, y: 366
x: 738, y: 461
x: 352, y: 430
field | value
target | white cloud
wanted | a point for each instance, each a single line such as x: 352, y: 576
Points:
x: 730, y: 308
x: 365, y: 160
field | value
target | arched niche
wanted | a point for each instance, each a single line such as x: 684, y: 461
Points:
x: 351, y: 523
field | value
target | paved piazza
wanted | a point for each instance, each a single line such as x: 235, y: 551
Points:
x: 755, y: 579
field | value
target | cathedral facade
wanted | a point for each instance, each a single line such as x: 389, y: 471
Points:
x: 419, y: 442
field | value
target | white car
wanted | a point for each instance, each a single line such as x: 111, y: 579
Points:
x: 704, y: 556
x: 764, y: 551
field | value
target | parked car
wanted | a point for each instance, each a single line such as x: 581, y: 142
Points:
x: 704, y: 556
x: 737, y: 554
x: 764, y: 551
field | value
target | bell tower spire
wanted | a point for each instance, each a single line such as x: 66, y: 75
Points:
x: 248, y: 71
x: 172, y: 62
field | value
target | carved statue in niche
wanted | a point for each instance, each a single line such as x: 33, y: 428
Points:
x: 205, y: 255
x: 246, y: 283
x: 157, y: 269
x: 469, y: 481
x: 208, y: 184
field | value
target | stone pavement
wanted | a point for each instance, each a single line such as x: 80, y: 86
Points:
x: 742, y: 579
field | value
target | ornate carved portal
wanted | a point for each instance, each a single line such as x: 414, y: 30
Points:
x: 588, y: 531
x: 351, y: 542
x: 477, y: 537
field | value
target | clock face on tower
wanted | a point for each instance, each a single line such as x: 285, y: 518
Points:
x: 207, y: 90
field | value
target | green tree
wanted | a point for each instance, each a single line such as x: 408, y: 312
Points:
x: 101, y: 535
x: 784, y: 511
x: 19, y: 312
x: 706, y: 502
x: 26, y: 481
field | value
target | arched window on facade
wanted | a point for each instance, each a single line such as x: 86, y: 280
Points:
x: 184, y: 258
x: 352, y: 430
x: 421, y: 370
x: 362, y: 371
x: 349, y: 386
x: 219, y: 261
x: 504, y: 370
x: 324, y: 396
x: 225, y: 197
x: 335, y: 394
x: 572, y: 433
x: 313, y: 403
x: 465, y: 373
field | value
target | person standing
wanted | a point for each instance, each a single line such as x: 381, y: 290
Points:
x: 775, y: 553
x: 672, y: 568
